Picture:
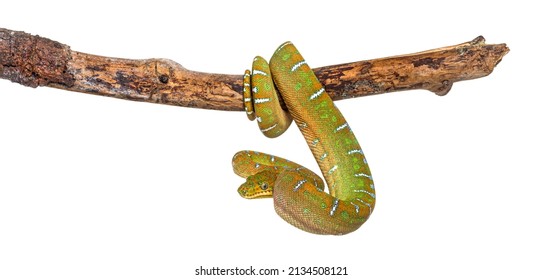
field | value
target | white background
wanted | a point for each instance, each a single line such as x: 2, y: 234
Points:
x: 100, y: 188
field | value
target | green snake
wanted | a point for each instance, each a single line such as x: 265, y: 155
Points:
x: 298, y: 193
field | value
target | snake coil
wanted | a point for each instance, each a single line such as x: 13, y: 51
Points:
x: 298, y: 193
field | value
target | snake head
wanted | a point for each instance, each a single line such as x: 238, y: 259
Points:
x: 259, y: 185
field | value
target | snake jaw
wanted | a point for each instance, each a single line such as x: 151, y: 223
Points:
x: 254, y: 191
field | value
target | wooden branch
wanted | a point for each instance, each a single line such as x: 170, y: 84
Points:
x: 35, y: 61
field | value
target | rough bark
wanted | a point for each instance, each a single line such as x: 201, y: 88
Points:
x: 35, y: 61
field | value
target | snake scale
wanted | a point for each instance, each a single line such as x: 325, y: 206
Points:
x: 299, y: 194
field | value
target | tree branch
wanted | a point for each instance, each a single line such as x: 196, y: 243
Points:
x: 35, y: 61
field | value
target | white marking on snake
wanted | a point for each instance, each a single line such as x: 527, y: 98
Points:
x: 299, y: 184
x: 365, y: 203
x: 366, y: 192
x: 362, y: 175
x: 358, y: 151
x: 334, y: 168
x: 324, y: 156
x: 261, y: 100
x: 341, y: 127
x: 297, y: 65
x: 316, y: 94
x: 269, y: 128
x: 334, y: 207
x: 258, y: 72
x: 356, y: 207
x: 255, y: 89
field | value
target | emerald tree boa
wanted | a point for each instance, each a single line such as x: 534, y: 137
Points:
x: 299, y: 194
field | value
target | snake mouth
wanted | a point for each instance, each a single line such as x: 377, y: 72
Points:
x: 249, y: 193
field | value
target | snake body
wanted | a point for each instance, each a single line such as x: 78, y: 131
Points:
x: 298, y: 193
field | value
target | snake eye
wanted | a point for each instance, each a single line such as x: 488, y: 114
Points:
x: 264, y: 186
